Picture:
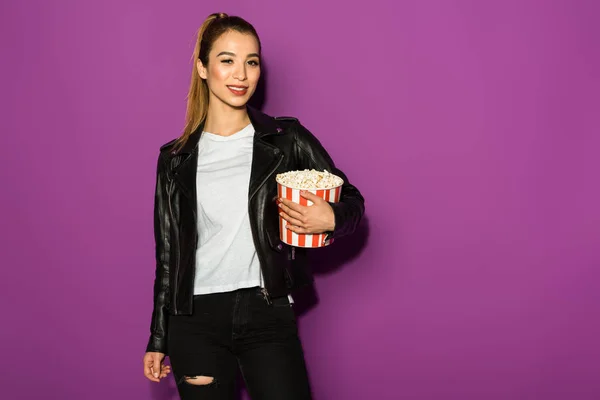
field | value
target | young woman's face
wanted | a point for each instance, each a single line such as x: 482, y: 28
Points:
x: 233, y: 69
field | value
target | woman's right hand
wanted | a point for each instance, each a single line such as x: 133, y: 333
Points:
x: 154, y: 368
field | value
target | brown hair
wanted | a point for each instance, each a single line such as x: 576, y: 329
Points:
x: 197, y: 99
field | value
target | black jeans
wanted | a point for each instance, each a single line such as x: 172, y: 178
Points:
x: 234, y: 329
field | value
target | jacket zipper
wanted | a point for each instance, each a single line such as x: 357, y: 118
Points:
x: 170, y: 192
x: 266, y: 296
x: 177, y: 265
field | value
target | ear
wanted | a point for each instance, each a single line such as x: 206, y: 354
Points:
x: 201, y: 70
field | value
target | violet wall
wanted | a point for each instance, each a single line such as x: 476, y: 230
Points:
x: 471, y: 127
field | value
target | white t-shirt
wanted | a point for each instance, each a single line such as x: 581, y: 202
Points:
x: 226, y: 258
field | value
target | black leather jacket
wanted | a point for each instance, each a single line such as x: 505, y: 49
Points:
x: 280, y: 145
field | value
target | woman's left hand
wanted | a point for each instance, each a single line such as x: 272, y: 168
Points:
x: 317, y: 218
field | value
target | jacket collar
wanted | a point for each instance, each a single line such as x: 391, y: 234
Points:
x: 263, y: 125
x: 263, y: 159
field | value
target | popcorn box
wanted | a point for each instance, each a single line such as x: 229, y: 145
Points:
x: 286, y: 191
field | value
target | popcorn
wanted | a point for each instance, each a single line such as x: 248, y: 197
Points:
x: 309, y: 179
x: 322, y: 184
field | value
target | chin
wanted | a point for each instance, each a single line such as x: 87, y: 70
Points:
x: 231, y: 101
x: 238, y: 104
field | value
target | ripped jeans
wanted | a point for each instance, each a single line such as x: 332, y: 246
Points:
x: 238, y: 329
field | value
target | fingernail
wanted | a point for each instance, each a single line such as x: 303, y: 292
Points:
x: 155, y: 375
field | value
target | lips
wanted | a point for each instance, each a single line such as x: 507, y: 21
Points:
x: 238, y: 90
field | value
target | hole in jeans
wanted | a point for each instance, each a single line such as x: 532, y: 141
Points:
x: 199, y: 380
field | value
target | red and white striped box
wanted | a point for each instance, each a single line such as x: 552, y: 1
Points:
x: 305, y: 239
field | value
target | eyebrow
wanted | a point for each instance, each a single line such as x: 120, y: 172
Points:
x: 228, y: 53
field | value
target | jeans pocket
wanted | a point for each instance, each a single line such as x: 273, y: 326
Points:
x: 283, y: 311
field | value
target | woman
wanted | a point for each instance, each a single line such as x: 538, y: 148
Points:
x: 223, y: 278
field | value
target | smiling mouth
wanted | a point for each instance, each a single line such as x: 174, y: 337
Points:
x: 238, y: 88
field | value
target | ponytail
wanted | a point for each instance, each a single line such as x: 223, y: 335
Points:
x: 197, y: 98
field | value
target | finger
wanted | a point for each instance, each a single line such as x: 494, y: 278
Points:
x: 156, y: 366
x: 297, y: 229
x: 165, y: 370
x: 291, y: 210
x: 164, y: 374
x: 311, y: 196
x: 152, y: 378
x: 290, y: 220
x: 148, y: 374
x: 293, y: 206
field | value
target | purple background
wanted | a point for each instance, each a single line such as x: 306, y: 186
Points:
x: 471, y: 127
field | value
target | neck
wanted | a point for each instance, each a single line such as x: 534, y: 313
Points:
x: 225, y: 120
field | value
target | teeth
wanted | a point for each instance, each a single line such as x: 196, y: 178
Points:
x: 237, y: 89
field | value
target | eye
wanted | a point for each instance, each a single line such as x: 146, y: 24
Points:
x: 254, y: 63
x: 226, y: 61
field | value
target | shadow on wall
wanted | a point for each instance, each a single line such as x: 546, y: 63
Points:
x: 259, y: 97
x: 329, y: 260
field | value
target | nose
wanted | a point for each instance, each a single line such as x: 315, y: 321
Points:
x: 240, y: 73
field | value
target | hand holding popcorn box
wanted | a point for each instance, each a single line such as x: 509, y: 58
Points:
x: 321, y: 183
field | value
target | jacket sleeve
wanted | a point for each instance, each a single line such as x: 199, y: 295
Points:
x: 160, y: 313
x: 311, y: 154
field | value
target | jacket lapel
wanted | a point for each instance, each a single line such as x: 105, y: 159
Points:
x: 264, y: 156
x: 185, y: 165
